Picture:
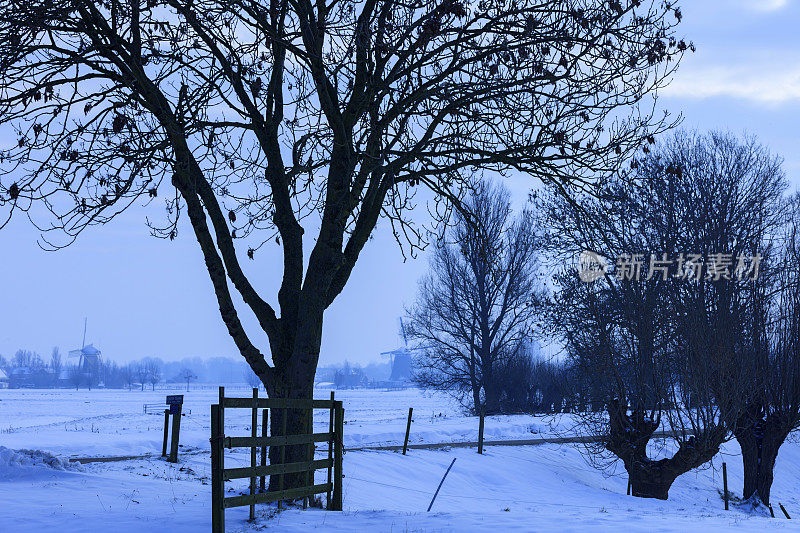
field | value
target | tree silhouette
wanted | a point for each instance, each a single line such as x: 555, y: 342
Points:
x: 262, y: 121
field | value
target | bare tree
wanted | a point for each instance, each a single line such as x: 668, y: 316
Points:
x: 263, y: 121
x: 772, y: 365
x: 56, y: 364
x: 142, y: 373
x: 152, y: 370
x: 664, y: 348
x: 129, y: 375
x: 76, y: 376
x: 475, y: 307
x: 188, y: 376
x: 251, y: 378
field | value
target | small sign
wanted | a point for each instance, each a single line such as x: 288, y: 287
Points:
x: 176, y: 399
x: 175, y: 402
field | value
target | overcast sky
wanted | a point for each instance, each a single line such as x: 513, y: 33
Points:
x: 148, y: 297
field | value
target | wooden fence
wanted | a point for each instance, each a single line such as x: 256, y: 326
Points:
x: 220, y: 441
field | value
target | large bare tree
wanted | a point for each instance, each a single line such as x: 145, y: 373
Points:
x: 772, y: 365
x: 264, y: 121
x: 476, y: 306
x: 664, y: 342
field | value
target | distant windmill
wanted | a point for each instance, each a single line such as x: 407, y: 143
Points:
x: 400, y: 359
x: 88, y: 356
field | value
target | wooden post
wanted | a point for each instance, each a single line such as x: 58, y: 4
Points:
x: 166, y: 433
x: 264, y: 425
x: 771, y: 512
x: 441, y: 483
x: 480, y: 430
x: 331, y: 430
x: 217, y: 483
x: 176, y: 431
x: 784, y: 511
x: 283, y: 454
x: 337, y: 463
x: 308, y: 448
x: 254, y: 434
x: 408, y: 429
x: 629, y: 484
x: 222, y: 410
x: 725, y: 483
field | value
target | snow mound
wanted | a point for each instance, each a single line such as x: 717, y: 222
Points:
x: 753, y: 506
x: 17, y: 463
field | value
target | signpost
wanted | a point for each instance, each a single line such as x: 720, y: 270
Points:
x: 175, y: 403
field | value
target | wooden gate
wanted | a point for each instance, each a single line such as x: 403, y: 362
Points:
x: 219, y: 441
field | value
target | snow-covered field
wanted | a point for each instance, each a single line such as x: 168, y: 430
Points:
x: 531, y: 488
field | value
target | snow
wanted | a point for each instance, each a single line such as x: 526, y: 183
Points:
x: 528, y: 488
x: 25, y: 464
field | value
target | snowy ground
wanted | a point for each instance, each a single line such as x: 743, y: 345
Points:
x: 532, y: 488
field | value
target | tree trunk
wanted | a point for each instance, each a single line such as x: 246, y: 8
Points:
x: 293, y: 377
x: 476, y: 398
x: 650, y: 480
x: 749, y: 447
x: 759, y: 461
x: 769, y: 453
x: 491, y: 396
x: 297, y: 422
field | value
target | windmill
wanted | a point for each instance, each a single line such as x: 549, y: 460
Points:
x: 400, y: 359
x: 88, y: 356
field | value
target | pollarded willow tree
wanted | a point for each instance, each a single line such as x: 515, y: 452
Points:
x: 666, y: 341
x: 772, y: 367
x: 259, y: 120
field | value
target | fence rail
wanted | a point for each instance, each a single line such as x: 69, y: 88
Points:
x: 219, y: 441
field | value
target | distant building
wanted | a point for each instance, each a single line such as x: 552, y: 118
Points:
x: 21, y: 377
x: 88, y: 359
x: 401, y: 361
x: 89, y: 362
x: 402, y: 366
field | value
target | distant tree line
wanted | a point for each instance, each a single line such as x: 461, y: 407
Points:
x: 28, y: 369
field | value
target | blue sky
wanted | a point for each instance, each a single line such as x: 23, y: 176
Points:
x: 148, y: 297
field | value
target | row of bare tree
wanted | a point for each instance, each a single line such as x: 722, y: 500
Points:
x: 690, y: 322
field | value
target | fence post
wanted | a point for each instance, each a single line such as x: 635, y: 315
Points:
x: 166, y: 433
x: 222, y: 412
x: 264, y: 425
x: 408, y: 429
x: 337, y: 464
x: 784, y: 511
x: 254, y: 434
x: 441, y: 483
x: 217, y: 483
x: 331, y: 430
x: 308, y: 449
x: 480, y: 430
x: 176, y: 431
x: 629, y: 484
x: 725, y: 483
x: 283, y: 454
